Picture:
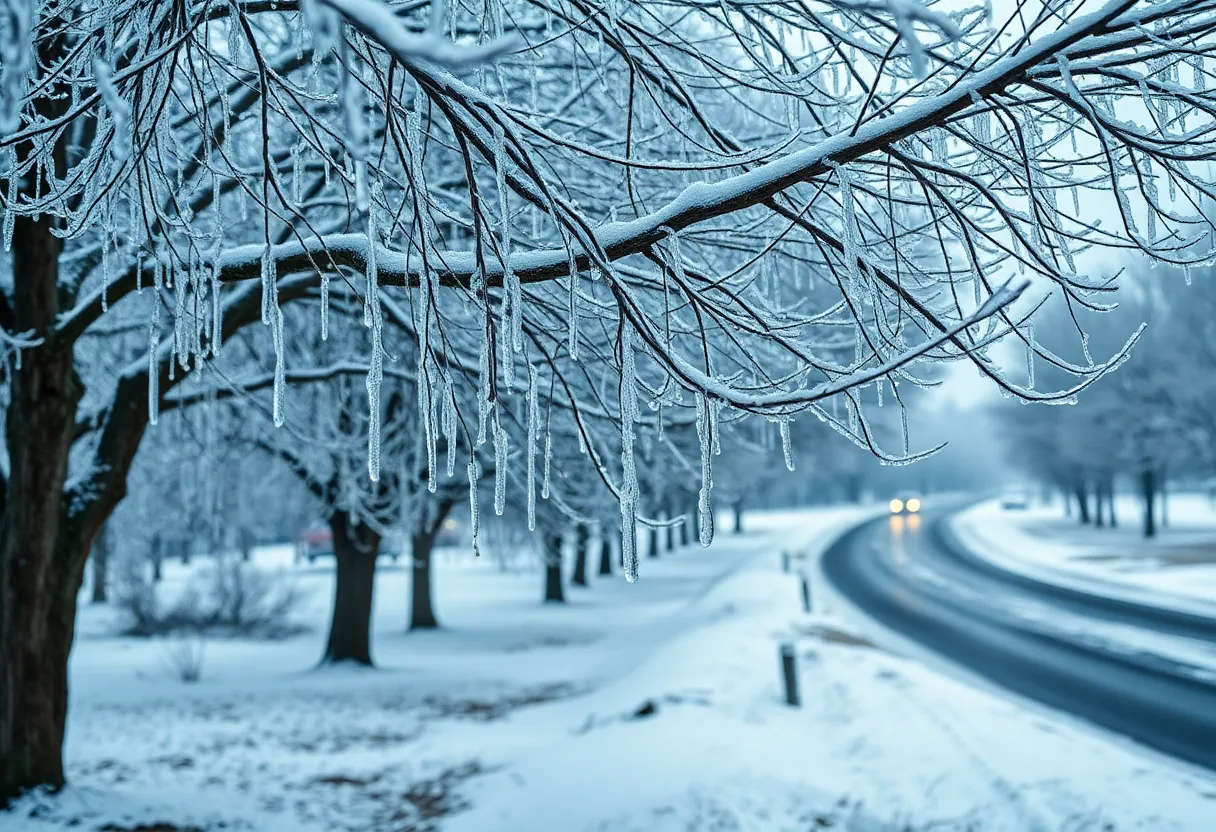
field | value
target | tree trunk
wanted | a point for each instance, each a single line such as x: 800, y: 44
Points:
x: 1110, y: 503
x: 1082, y: 502
x: 686, y: 528
x: 1164, y: 499
x: 605, y: 556
x: 41, y: 562
x: 655, y: 544
x: 101, y: 563
x: 1148, y: 486
x: 738, y: 509
x: 1099, y: 506
x: 246, y: 545
x: 580, y: 556
x: 158, y: 557
x: 671, y: 531
x: 553, y: 567
x: 355, y: 549
x: 422, y: 610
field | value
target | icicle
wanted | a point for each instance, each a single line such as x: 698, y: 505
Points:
x: 153, y: 364
x: 500, y: 463
x: 324, y: 306
x: 786, y: 450
x: 297, y: 174
x: 217, y: 313
x: 371, y: 301
x: 483, y: 390
x: 269, y: 280
x: 180, y: 341
x: 280, y: 381
x: 573, y: 312
x: 629, y: 542
x: 10, y: 206
x: 544, y: 486
x: 375, y: 375
x: 849, y: 223
x: 629, y: 484
x: 705, y: 501
x: 473, y: 518
x: 530, y: 450
x: 1030, y: 356
x: 105, y: 272
x: 448, y: 417
x: 426, y: 410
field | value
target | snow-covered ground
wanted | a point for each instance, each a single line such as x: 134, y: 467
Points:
x: 653, y: 706
x: 1177, y: 568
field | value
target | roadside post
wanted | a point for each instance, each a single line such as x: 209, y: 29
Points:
x: 789, y: 673
x: 806, y: 595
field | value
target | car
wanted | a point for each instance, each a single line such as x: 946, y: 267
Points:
x: 1015, y: 499
x: 450, y: 533
x: 318, y: 542
x: 905, y: 504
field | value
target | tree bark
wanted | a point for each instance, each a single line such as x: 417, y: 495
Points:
x: 1082, y: 502
x: 1148, y: 486
x: 552, y: 542
x: 580, y: 556
x: 355, y: 549
x: 605, y: 556
x: 101, y: 563
x: 1164, y: 499
x: 422, y: 608
x: 158, y: 557
x: 41, y: 562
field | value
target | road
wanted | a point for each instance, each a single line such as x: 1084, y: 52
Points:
x: 914, y: 577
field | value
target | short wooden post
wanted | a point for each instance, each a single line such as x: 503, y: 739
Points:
x: 806, y: 595
x: 789, y: 673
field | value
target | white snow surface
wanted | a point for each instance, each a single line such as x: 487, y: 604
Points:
x: 1175, y: 569
x: 521, y: 717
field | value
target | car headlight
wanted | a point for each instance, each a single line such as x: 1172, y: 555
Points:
x: 913, y: 505
x: 897, y: 505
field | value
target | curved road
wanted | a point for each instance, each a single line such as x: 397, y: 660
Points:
x: 912, y: 575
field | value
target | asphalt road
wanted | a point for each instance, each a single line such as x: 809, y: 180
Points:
x: 913, y: 576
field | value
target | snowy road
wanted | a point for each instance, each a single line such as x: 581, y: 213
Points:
x: 1045, y: 642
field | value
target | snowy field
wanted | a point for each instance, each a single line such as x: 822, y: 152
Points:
x: 654, y: 706
x: 1176, y: 568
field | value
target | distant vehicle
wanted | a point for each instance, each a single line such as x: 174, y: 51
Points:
x: 451, y: 533
x: 1015, y: 499
x: 905, y: 504
x: 318, y: 542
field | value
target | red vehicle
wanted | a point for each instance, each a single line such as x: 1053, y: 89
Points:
x: 318, y: 541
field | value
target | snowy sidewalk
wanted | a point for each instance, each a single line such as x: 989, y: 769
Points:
x: 1176, y: 569
x: 651, y: 707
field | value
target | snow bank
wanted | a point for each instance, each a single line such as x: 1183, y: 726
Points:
x: 1167, y: 571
